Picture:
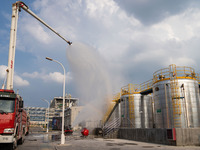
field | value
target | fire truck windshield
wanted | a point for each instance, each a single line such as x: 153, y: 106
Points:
x: 7, y: 106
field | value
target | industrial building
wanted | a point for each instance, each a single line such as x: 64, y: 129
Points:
x: 70, y: 116
x: 39, y: 115
x: 57, y: 102
x: 169, y: 103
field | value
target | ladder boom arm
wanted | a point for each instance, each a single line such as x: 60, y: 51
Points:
x: 24, y: 7
x: 16, y: 7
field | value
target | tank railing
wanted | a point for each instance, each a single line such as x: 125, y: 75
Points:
x: 127, y: 89
x: 117, y: 96
x: 198, y: 77
x: 146, y: 85
x: 111, y: 126
x: 130, y: 89
x: 124, y: 90
x: 161, y: 74
x: 185, y: 72
x: 136, y: 88
x: 180, y: 71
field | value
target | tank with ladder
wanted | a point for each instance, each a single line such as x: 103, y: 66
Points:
x: 176, y: 97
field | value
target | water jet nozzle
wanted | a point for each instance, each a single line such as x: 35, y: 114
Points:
x: 70, y: 43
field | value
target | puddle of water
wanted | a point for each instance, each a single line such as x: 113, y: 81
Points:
x: 131, y: 144
x: 32, y: 139
x: 51, y: 138
x: 110, y: 144
x: 108, y: 140
x: 115, y: 149
x: 147, y: 146
x: 46, y: 138
x: 119, y: 144
x: 55, y: 137
x: 38, y: 136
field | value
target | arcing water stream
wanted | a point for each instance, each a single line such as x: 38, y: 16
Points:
x: 92, y: 80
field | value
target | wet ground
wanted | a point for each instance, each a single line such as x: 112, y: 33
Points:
x: 51, y: 141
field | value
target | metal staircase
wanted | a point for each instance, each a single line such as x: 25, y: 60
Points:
x: 111, y: 126
x: 110, y: 107
x: 175, y: 95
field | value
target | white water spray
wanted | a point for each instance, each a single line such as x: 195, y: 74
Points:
x: 92, y: 80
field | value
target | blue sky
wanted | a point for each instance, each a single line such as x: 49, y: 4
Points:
x: 135, y: 39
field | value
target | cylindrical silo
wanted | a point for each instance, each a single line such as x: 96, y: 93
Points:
x: 176, y: 98
x: 136, y: 111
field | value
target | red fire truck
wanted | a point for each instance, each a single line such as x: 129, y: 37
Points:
x: 13, y: 119
x: 14, y: 122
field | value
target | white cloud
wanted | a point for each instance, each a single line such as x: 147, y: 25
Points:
x: 31, y: 75
x: 55, y: 76
x: 181, y: 61
x: 18, y: 81
x: 3, y: 72
x: 38, y: 32
x: 181, y: 27
x: 51, y: 77
x: 101, y: 11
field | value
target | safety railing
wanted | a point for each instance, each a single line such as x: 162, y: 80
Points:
x: 108, y: 111
x: 136, y: 88
x: 198, y: 77
x: 111, y: 126
x: 111, y: 105
x: 130, y: 89
x: 146, y: 85
x: 181, y: 72
x: 161, y: 74
x: 116, y: 97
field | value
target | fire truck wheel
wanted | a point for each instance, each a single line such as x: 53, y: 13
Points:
x: 20, y: 141
x: 13, y: 145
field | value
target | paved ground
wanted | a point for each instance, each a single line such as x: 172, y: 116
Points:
x: 116, y: 144
x: 51, y: 141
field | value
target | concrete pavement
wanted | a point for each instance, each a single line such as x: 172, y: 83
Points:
x: 51, y: 141
x: 115, y: 144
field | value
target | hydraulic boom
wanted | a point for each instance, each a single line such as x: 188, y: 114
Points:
x: 16, y: 7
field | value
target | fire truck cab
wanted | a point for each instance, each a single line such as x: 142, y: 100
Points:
x: 13, y: 119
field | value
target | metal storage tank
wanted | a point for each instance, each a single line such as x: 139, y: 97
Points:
x: 136, y: 111
x: 146, y: 111
x: 176, y: 98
